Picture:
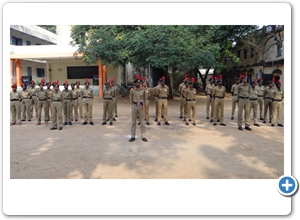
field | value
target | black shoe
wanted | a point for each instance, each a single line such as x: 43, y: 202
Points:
x: 214, y: 124
x: 144, y: 139
x: 114, y: 119
x: 110, y: 123
x: 218, y: 120
x: 186, y: 123
x: 155, y: 119
x: 84, y: 123
x: 53, y: 128
x: 131, y: 139
x: 280, y: 125
x: 272, y: 125
x: 23, y: 120
x: 270, y: 122
x: 116, y: 116
x: 76, y: 119
x: 107, y: 119
x: 60, y: 128
x: 147, y: 123
x: 65, y: 123
x: 256, y: 125
x: 240, y: 128
x: 139, y: 123
x: 231, y: 118
x: 158, y: 123
x: 261, y: 119
x: 70, y: 123
x: 264, y: 122
x: 190, y: 119
x: 207, y: 117
x: 167, y: 123
x: 29, y: 120
x: 180, y: 117
x: 211, y: 120
x: 194, y: 124
x: 91, y: 123
x: 71, y: 119
x: 162, y: 116
x: 103, y: 123
x: 223, y: 124
x: 248, y: 128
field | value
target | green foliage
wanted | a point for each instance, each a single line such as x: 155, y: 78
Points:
x: 51, y: 28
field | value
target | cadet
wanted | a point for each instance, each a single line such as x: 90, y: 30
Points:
x: 15, y: 105
x: 108, y: 94
x: 277, y: 97
x: 156, y: 100
x: 184, y: 98
x: 49, y: 91
x: 78, y: 89
x: 253, y: 97
x: 137, y: 100
x: 162, y: 92
x: 234, y: 97
x: 87, y: 103
x: 209, y: 100
x: 115, y: 98
x: 148, y: 94
x: 218, y: 95
x: 260, y: 92
x: 74, y: 103
x: 42, y: 97
x: 180, y: 90
x: 243, y: 92
x: 267, y: 96
x: 57, y: 106
x: 26, y: 103
x: 190, y: 96
x: 68, y: 97
x: 34, y: 101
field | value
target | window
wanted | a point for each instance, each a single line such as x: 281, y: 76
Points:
x: 81, y: 72
x: 29, y: 71
x: 28, y: 42
x: 279, y: 46
x: 40, y: 72
x: 239, y: 54
x: 252, y: 52
x: 37, y: 44
x: 245, y: 54
x: 16, y: 41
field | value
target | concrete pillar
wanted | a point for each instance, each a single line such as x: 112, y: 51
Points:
x: 104, y: 73
x: 100, y: 76
x: 19, y: 72
x: 11, y: 72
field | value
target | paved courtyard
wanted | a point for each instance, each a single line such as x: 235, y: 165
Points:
x: 172, y: 152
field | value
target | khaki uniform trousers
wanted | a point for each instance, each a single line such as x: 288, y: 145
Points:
x: 42, y: 105
x: 114, y: 107
x: 34, y: 106
x: 74, y: 109
x: 234, y: 103
x: 25, y: 109
x: 181, y: 105
x: 209, y: 103
x: 80, y: 106
x: 260, y: 102
x: 15, y: 109
x: 87, y: 105
x: 162, y: 106
x: 276, y: 111
x: 253, y: 105
x: 49, y: 114
x: 268, y: 105
x: 219, y: 110
x: 56, y: 110
x: 244, y: 105
x: 137, y: 111
x: 190, y: 105
x: 107, y: 109
x: 156, y: 107
x: 147, y: 110
x: 67, y: 110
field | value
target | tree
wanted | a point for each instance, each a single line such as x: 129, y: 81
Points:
x: 51, y: 28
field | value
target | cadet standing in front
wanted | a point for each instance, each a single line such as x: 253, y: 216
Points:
x: 277, y: 97
x: 234, y: 97
x: 108, y: 94
x: 190, y: 96
x: 209, y: 99
x: 57, y: 106
x: 243, y: 92
x: 137, y: 100
x: 253, y: 97
x: 49, y: 91
x: 79, y: 98
x: 42, y: 97
x: 15, y: 105
x: 115, y: 98
x: 34, y: 101
x: 180, y: 89
x: 74, y: 103
x: 260, y: 92
x: 218, y: 95
x: 148, y: 94
x: 68, y: 97
x: 268, y: 101
x: 87, y: 103
x: 162, y: 92
x: 26, y: 103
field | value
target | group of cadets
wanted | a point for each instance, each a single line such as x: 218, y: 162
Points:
x: 248, y: 97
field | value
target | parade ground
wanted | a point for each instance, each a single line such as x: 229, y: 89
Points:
x: 177, y: 151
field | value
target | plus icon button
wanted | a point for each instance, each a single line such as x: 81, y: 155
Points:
x: 287, y: 185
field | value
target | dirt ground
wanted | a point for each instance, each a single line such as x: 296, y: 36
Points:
x: 172, y: 152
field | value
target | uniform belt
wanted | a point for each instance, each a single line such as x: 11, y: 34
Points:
x: 25, y: 98
x: 234, y: 94
x: 42, y: 99
x: 259, y: 95
x: 66, y: 98
x: 209, y: 95
x: 162, y: 97
x: 33, y: 94
x: 49, y: 98
x: 252, y: 99
x: 87, y: 97
x: 107, y: 98
x: 56, y: 100
x: 278, y: 100
x: 75, y: 98
x: 219, y: 97
x: 267, y: 98
x: 14, y: 100
x: 243, y: 97
x: 189, y: 100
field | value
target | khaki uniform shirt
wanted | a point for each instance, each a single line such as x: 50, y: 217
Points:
x: 87, y: 93
x: 162, y: 91
x: 219, y: 91
x: 78, y: 91
x: 42, y: 94
x: 268, y: 92
x: 181, y: 87
x: 253, y: 93
x: 67, y: 94
x: 25, y: 94
x: 57, y: 96
x: 148, y: 94
x: 243, y: 90
x: 260, y: 90
x: 75, y: 93
x: 116, y: 89
x: 277, y: 94
x: 234, y: 88
x: 190, y: 93
x: 15, y: 95
x: 108, y: 93
x: 49, y: 91
x: 33, y: 91
x: 137, y: 96
x: 209, y: 89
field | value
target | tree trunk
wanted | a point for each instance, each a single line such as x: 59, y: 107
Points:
x: 203, y: 79
x: 169, y: 81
